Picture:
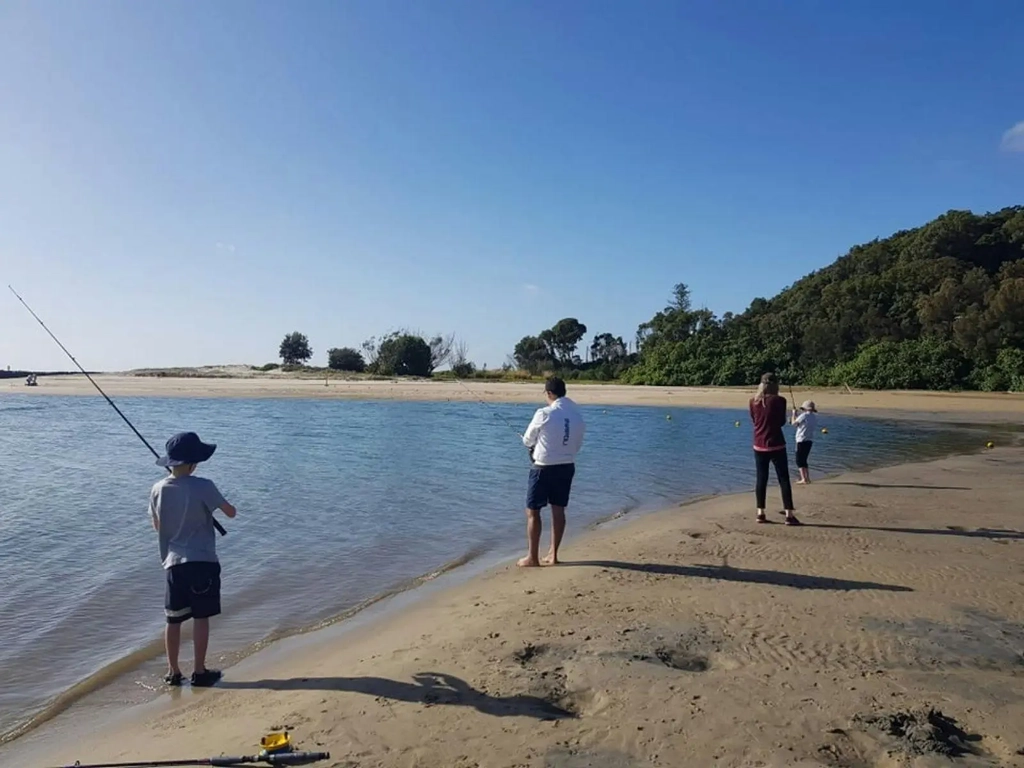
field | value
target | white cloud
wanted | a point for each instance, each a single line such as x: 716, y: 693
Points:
x: 226, y: 247
x: 530, y: 289
x: 1013, y: 139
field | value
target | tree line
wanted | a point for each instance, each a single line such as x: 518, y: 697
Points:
x: 937, y: 307
x: 397, y: 353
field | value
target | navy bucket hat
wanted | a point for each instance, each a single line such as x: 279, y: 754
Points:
x: 186, y: 448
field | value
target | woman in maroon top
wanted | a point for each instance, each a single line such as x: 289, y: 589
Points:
x: 769, y: 415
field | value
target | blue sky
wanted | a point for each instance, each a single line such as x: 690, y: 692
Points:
x: 184, y: 183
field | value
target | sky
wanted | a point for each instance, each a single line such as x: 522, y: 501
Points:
x: 184, y: 183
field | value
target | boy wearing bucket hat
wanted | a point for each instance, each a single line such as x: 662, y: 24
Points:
x: 806, y: 422
x: 181, y: 507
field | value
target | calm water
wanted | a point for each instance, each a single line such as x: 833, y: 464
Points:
x: 338, y: 501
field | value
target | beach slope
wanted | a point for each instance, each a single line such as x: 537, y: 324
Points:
x: 688, y: 637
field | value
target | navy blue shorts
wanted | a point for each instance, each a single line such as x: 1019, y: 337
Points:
x: 193, y: 592
x: 549, y: 485
x: 803, y: 450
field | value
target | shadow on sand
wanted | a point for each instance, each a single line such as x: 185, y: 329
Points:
x: 430, y: 688
x: 907, y: 487
x: 952, y: 530
x: 728, y: 573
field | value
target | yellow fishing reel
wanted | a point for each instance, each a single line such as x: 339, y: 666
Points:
x: 274, y: 743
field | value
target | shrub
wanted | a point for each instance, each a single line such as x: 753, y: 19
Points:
x: 345, y: 359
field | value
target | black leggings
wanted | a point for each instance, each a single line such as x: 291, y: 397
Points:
x: 781, y: 462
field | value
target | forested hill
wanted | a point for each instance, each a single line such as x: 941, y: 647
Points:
x: 937, y: 307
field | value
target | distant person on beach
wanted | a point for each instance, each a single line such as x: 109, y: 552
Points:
x: 806, y: 422
x: 554, y: 437
x: 181, y: 507
x: 768, y: 414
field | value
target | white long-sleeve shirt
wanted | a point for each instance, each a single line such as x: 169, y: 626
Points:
x: 555, y: 433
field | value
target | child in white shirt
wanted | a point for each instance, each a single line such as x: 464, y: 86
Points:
x: 806, y: 422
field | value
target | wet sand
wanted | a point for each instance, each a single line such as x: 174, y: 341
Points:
x: 692, y: 636
x: 974, y: 407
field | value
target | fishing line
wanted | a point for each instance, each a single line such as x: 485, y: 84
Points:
x: 138, y: 434
x: 489, y: 406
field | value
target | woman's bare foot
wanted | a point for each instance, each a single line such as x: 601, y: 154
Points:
x: 527, y: 562
x: 550, y: 559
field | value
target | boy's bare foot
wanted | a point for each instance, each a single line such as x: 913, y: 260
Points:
x: 801, y: 482
x: 549, y: 560
x: 527, y: 562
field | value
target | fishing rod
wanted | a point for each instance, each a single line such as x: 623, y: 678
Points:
x: 490, y: 406
x: 286, y: 758
x: 92, y: 381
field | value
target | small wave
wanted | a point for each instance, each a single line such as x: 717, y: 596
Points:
x: 126, y: 664
x: 17, y: 408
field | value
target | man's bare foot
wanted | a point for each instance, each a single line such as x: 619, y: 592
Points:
x: 527, y: 562
x: 549, y: 560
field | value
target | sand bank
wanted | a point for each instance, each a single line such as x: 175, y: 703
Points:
x: 947, y: 407
x: 688, y: 637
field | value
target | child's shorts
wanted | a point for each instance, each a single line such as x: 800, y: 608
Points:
x: 803, y: 450
x: 193, y: 592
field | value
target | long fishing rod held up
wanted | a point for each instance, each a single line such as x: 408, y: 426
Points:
x: 92, y: 381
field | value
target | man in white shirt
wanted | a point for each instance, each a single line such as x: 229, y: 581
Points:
x: 554, y: 438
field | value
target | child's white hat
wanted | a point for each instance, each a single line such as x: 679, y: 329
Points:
x: 809, y: 406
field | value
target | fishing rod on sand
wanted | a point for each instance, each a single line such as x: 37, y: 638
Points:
x: 138, y: 434
x: 286, y: 758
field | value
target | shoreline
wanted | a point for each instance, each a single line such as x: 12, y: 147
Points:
x: 701, y: 515
x: 118, y: 672
x: 944, y: 407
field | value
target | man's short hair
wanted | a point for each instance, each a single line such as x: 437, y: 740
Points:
x: 555, y: 386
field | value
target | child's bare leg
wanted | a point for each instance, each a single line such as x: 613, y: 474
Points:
x: 172, y: 643
x: 805, y: 475
x: 200, y: 642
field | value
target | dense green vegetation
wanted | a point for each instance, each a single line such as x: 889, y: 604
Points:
x: 937, y: 307
x: 346, y: 359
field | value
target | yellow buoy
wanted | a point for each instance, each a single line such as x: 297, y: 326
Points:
x: 737, y: 423
x: 990, y: 444
x: 824, y: 431
x: 668, y: 416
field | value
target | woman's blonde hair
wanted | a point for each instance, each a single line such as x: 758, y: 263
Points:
x: 769, y: 386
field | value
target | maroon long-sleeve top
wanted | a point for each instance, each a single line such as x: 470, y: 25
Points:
x: 769, y: 417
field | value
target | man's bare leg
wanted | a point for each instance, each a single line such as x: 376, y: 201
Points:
x: 533, y: 527
x: 200, y: 642
x: 172, y: 643
x: 557, y: 531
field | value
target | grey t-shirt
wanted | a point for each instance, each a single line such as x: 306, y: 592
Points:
x: 184, y: 507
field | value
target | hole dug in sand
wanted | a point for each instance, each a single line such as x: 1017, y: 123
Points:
x: 923, y: 731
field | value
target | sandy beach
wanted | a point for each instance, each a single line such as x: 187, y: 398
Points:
x: 691, y: 636
x: 973, y: 407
